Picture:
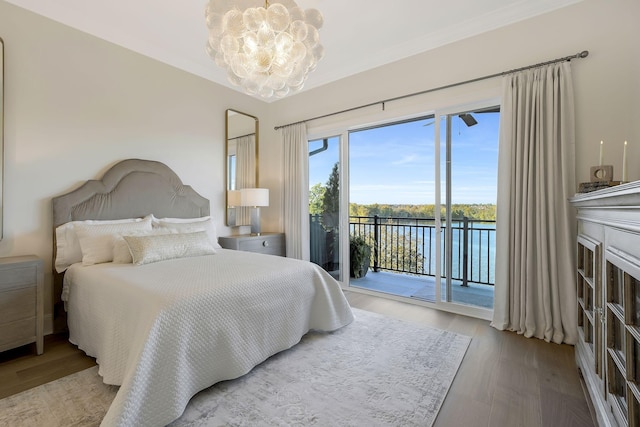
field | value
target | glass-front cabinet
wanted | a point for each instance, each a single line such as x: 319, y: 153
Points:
x: 608, y: 301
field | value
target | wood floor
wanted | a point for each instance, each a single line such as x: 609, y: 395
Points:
x: 504, y: 380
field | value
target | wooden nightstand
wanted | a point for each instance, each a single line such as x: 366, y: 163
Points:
x: 265, y: 243
x: 21, y: 302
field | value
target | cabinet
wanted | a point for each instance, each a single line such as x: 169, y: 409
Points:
x: 21, y: 302
x: 608, y: 301
x: 265, y: 243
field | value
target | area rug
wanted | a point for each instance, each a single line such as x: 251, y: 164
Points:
x: 378, y: 371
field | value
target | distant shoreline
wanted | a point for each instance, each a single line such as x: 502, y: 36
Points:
x: 475, y: 211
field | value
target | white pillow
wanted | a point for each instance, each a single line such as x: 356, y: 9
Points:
x: 204, y: 223
x: 121, y: 253
x: 154, y: 248
x: 97, y: 240
x: 68, y: 250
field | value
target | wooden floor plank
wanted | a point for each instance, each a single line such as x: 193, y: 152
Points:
x: 21, y: 369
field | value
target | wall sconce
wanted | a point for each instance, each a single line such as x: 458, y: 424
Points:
x: 255, y: 198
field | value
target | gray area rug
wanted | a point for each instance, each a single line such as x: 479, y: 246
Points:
x: 378, y: 371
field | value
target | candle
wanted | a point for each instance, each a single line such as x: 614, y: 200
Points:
x: 601, y: 152
x: 624, y: 163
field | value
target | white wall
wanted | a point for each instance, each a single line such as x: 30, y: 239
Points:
x: 75, y: 105
x: 607, y: 88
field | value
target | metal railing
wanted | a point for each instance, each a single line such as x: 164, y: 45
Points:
x: 408, y: 245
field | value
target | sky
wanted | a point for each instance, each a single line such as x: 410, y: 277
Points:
x: 395, y: 164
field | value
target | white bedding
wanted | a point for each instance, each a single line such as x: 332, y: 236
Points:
x: 165, y: 331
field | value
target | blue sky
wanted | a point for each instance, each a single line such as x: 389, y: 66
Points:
x: 395, y: 164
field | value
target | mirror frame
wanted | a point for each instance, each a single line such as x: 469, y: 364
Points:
x: 228, y: 113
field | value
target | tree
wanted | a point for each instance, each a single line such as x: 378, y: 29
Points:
x: 331, y: 216
x: 316, y: 199
x: 331, y: 199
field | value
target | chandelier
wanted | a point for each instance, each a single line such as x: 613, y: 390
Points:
x: 268, y: 51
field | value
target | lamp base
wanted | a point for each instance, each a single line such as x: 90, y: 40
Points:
x: 255, y: 221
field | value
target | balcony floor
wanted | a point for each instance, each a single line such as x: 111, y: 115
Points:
x: 424, y: 288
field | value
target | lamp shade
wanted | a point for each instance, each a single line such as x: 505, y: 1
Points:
x: 254, y: 197
x: 233, y: 198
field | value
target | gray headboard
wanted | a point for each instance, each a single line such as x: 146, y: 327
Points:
x: 131, y: 188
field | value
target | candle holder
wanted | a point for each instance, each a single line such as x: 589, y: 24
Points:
x: 601, y: 173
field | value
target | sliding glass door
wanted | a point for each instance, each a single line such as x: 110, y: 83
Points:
x: 409, y: 206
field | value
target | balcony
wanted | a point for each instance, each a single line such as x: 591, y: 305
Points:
x: 403, y: 257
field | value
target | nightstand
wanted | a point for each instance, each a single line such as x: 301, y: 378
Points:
x: 265, y: 243
x: 21, y: 302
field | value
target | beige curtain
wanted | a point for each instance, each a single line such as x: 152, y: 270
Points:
x: 535, y: 279
x: 245, y: 172
x: 295, y: 190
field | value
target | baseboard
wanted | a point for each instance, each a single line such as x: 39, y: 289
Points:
x: 587, y: 396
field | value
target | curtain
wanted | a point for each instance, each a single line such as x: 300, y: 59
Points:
x: 245, y: 172
x: 295, y: 190
x: 535, y: 277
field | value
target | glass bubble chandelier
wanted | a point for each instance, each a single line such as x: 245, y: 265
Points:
x: 268, y: 51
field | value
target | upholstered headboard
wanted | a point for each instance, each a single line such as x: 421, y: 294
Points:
x: 131, y: 188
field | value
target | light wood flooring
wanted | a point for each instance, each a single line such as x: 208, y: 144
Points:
x: 504, y: 380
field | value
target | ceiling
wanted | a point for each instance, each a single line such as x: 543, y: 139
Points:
x: 357, y: 34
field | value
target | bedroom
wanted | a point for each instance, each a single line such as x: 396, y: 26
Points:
x: 77, y: 104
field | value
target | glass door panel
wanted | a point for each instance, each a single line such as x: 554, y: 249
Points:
x: 391, y: 206
x: 324, y: 205
x: 469, y: 168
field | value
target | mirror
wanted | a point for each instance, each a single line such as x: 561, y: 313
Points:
x: 241, y: 162
x: 1, y: 132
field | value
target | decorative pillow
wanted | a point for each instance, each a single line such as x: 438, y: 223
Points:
x: 68, y: 250
x: 154, y: 248
x: 204, y: 223
x: 97, y: 241
x: 121, y: 253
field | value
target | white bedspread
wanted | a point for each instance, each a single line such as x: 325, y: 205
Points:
x: 167, y: 330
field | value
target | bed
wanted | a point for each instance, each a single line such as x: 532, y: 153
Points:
x: 182, y: 313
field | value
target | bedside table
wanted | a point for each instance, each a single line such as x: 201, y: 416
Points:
x: 265, y: 243
x: 21, y: 302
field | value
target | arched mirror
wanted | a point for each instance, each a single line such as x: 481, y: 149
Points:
x: 241, y: 163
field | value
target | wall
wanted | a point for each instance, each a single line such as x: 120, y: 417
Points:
x: 75, y: 105
x: 607, y: 88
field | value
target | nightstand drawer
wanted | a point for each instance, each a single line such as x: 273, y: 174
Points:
x: 17, y: 304
x: 265, y: 246
x: 266, y: 243
x: 17, y: 277
x: 17, y: 333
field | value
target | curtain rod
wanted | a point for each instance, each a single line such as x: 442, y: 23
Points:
x: 582, y: 54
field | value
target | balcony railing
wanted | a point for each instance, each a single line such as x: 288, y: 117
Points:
x: 408, y: 245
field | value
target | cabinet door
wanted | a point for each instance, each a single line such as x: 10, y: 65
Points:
x: 590, y: 302
x: 623, y: 336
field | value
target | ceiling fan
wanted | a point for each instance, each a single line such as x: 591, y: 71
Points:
x: 468, y: 119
